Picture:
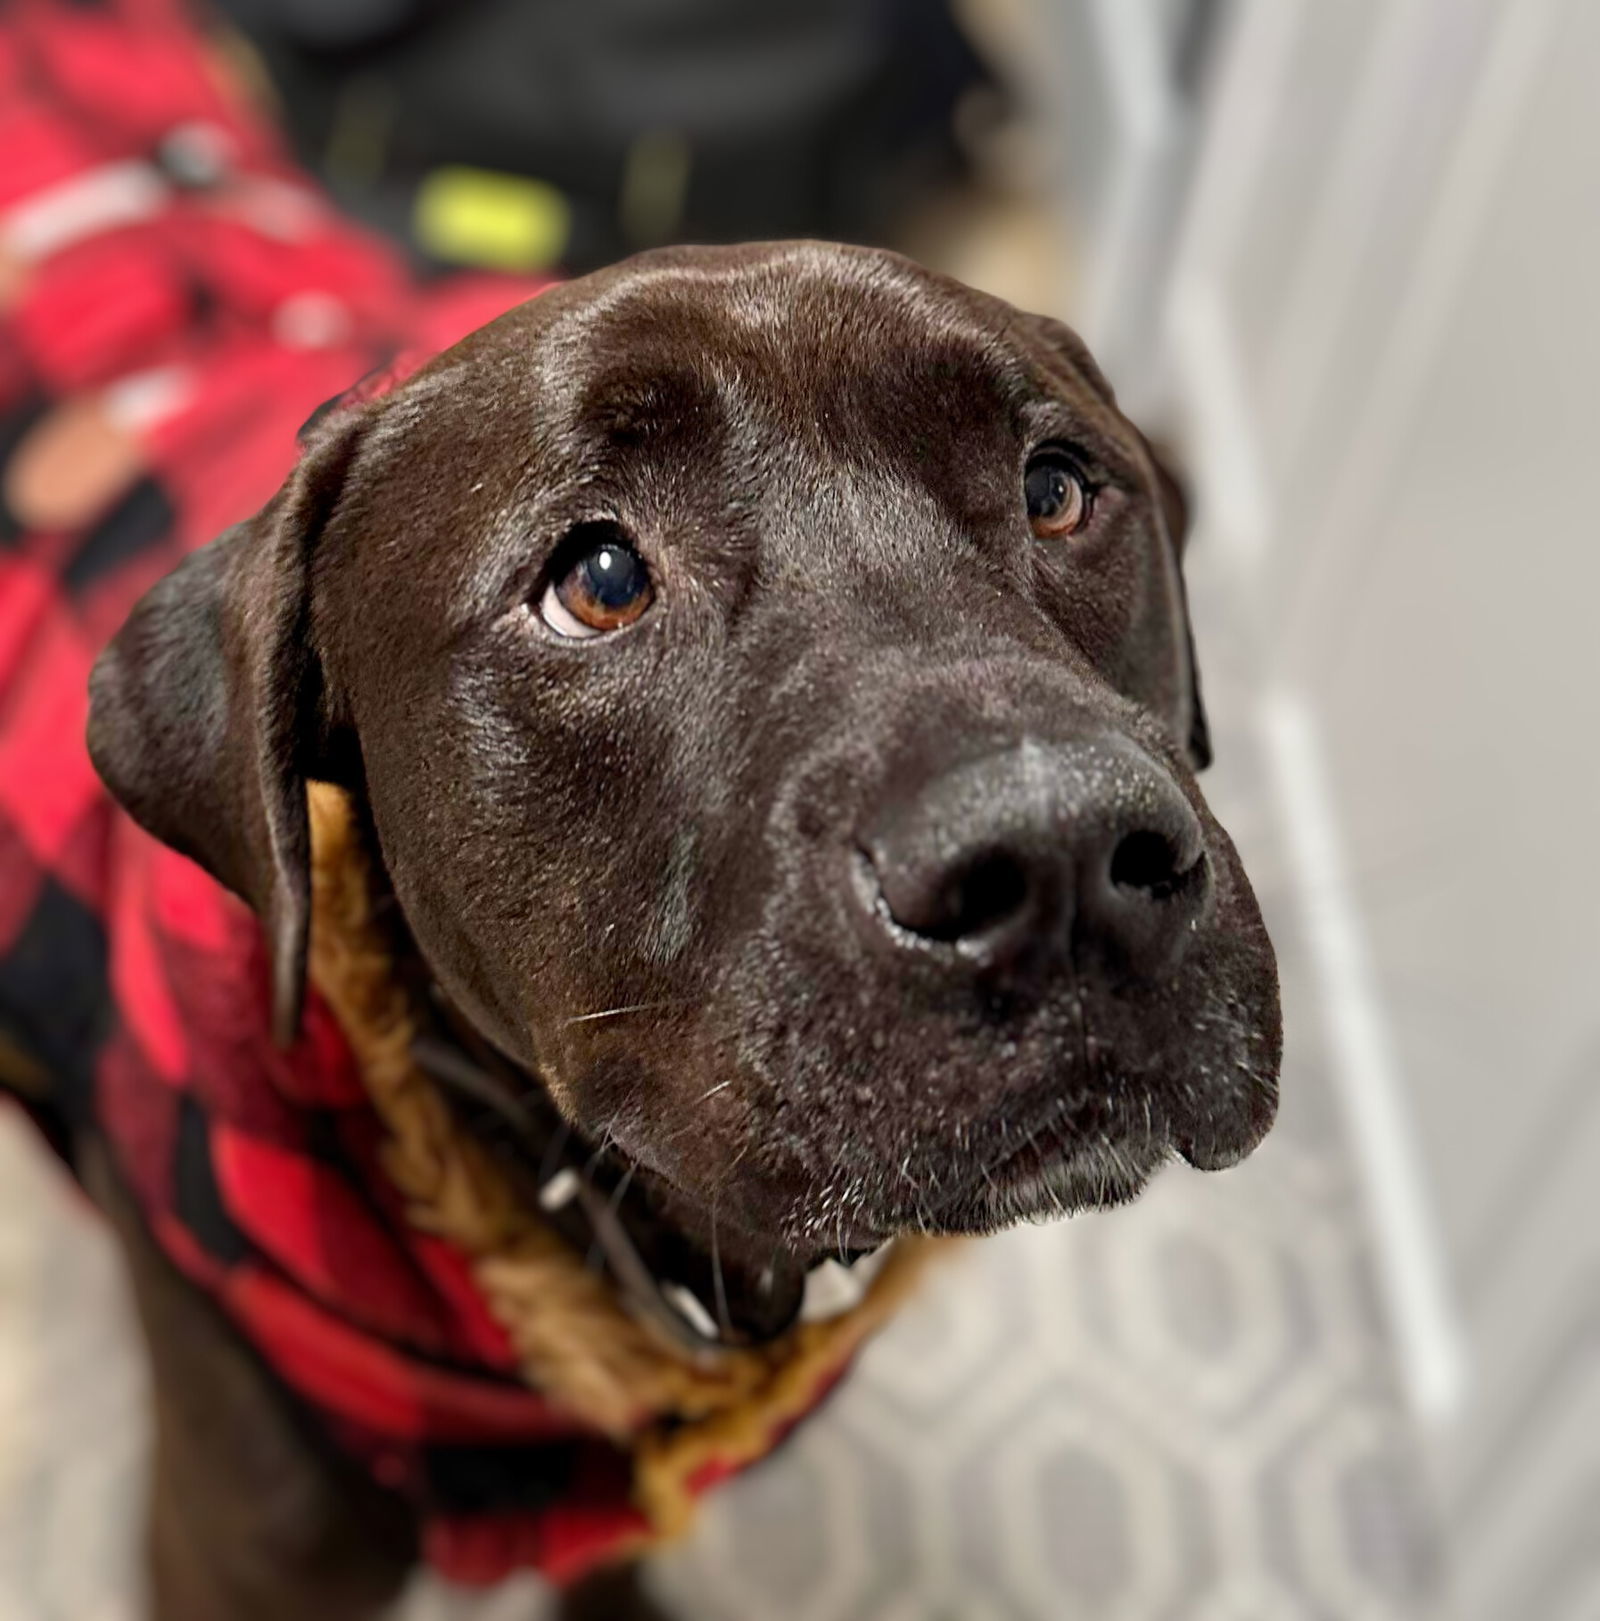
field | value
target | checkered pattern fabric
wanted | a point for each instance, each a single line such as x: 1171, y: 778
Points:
x: 174, y: 302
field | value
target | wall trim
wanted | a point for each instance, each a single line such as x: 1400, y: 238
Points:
x: 1412, y: 1266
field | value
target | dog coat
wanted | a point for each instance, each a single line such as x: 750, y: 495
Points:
x: 174, y: 302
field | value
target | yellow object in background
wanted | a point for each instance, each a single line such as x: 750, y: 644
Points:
x: 493, y: 220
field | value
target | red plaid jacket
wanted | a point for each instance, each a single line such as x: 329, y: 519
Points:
x: 174, y: 302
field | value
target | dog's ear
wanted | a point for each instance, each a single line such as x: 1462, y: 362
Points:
x: 206, y: 711
x: 1174, y: 499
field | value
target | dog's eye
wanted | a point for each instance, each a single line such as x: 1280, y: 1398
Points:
x: 1058, y: 497
x: 598, y: 583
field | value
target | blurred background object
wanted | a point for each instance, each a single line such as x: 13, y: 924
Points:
x: 1342, y: 257
x: 514, y: 136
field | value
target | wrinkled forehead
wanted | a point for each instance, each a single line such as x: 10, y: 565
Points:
x: 836, y: 350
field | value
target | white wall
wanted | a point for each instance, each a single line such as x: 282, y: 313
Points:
x: 1383, y: 315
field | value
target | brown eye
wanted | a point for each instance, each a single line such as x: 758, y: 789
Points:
x: 1058, y: 499
x: 599, y: 583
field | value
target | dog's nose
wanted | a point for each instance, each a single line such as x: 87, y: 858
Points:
x: 1006, y: 862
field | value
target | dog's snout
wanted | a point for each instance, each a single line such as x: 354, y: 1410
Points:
x: 1008, y: 861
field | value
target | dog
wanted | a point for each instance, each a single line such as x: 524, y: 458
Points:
x: 749, y: 694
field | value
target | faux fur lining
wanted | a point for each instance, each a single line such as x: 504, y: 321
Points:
x: 682, y: 1416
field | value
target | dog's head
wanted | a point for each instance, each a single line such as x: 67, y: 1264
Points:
x: 767, y: 673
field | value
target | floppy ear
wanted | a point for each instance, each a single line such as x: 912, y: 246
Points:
x: 206, y: 713
x: 1175, y: 514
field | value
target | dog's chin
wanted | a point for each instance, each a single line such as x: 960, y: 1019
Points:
x: 1043, y: 1184
x: 1061, y: 1173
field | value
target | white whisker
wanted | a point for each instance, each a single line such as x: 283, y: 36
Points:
x: 617, y: 1012
x: 716, y: 1276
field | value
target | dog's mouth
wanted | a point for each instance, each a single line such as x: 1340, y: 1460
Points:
x: 1075, y: 1107
x: 670, y: 1267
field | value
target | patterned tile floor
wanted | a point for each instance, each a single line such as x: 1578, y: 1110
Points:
x: 1183, y: 1411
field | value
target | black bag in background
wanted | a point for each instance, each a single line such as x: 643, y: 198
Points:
x: 524, y: 133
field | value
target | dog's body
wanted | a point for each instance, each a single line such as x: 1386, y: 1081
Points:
x: 762, y: 684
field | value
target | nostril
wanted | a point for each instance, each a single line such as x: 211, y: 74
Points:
x: 987, y: 892
x: 1152, y: 864
x: 967, y: 899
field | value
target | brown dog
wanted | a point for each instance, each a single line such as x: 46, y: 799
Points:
x: 765, y: 677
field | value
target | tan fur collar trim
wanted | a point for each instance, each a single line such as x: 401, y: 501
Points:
x: 576, y: 1344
